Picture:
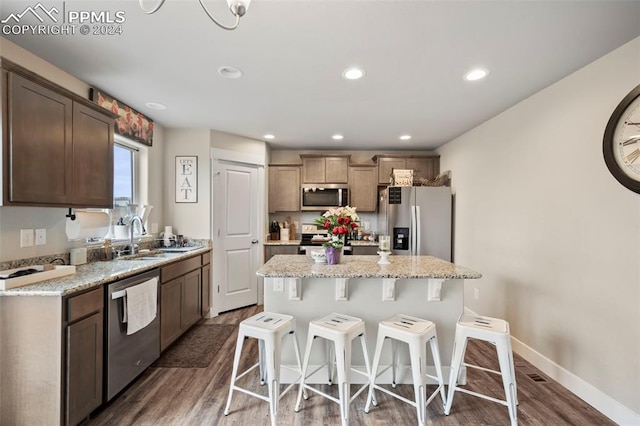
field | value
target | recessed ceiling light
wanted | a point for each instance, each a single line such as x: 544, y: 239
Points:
x: 353, y: 73
x: 337, y: 137
x: 476, y: 74
x: 269, y: 136
x: 230, y: 72
x: 405, y: 137
x: 156, y: 105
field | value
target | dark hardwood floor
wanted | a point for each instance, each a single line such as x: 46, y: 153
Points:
x: 197, y: 396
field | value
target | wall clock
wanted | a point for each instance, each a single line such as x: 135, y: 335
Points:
x: 621, y: 143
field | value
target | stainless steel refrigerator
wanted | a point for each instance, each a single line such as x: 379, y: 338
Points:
x: 418, y: 220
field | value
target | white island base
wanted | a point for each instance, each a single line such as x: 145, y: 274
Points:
x: 375, y: 293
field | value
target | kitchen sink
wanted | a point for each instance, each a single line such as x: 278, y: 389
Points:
x: 151, y: 255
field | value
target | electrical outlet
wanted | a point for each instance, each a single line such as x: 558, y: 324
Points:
x: 476, y: 293
x: 41, y: 237
x: 26, y: 237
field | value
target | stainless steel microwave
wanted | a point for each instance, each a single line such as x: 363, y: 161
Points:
x: 324, y: 196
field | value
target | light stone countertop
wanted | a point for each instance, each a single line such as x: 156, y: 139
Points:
x: 365, y: 267
x: 362, y: 243
x: 95, y: 274
x: 282, y: 242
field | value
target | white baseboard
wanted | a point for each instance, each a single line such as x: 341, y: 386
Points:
x: 582, y: 389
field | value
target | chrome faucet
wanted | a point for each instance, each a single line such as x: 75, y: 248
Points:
x: 132, y: 246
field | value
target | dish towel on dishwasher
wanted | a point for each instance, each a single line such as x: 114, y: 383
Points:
x: 142, y: 305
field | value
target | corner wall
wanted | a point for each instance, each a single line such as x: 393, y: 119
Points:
x: 556, y: 238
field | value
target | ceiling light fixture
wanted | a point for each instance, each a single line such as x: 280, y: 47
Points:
x: 237, y: 7
x: 405, y: 137
x: 337, y: 137
x: 156, y: 105
x: 476, y: 74
x: 353, y: 73
x: 269, y: 136
x: 230, y: 72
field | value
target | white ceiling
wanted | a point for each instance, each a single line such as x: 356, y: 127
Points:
x: 415, y: 54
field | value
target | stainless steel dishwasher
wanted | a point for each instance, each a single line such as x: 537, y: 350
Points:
x: 128, y: 355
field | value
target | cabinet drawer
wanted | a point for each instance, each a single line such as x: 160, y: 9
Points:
x: 84, y: 304
x: 206, y: 258
x: 179, y: 268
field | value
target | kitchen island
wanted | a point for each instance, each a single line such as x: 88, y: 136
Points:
x: 421, y: 286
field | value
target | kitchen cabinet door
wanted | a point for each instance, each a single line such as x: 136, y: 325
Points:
x: 92, y: 158
x: 191, y: 296
x: 313, y: 170
x: 84, y: 368
x: 423, y: 167
x: 206, y: 290
x: 284, y: 189
x: 386, y: 166
x: 363, y: 188
x: 170, y: 311
x: 364, y: 250
x: 336, y: 169
x: 39, y: 150
x: 271, y: 250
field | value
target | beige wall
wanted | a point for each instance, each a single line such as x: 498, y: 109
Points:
x: 12, y: 219
x: 555, y: 236
x: 194, y: 220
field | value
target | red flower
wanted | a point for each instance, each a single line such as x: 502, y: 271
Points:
x: 340, y: 220
x: 354, y: 225
x: 326, y: 224
x: 347, y: 220
x: 335, y: 231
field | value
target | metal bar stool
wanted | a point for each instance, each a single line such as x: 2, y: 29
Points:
x: 340, y: 330
x: 269, y: 328
x: 416, y: 333
x: 495, y: 331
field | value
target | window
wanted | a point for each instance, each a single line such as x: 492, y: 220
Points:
x: 124, y: 184
x: 123, y: 177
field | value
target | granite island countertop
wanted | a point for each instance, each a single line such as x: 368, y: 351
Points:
x: 95, y: 274
x: 363, y: 243
x: 365, y: 267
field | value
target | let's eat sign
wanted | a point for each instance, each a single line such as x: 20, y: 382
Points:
x: 186, y: 179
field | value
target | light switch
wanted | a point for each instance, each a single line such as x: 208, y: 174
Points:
x: 41, y: 237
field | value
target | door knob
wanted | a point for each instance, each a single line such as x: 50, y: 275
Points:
x: 254, y: 241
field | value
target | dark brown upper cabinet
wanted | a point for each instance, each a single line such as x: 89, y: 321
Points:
x: 57, y: 148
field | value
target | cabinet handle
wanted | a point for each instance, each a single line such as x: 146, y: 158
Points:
x: 254, y: 241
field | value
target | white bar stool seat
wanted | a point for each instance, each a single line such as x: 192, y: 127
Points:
x: 269, y: 328
x: 340, y: 330
x: 416, y: 333
x: 495, y: 331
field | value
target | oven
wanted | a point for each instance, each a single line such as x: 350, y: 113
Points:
x: 127, y: 356
x: 312, y: 238
x: 324, y: 196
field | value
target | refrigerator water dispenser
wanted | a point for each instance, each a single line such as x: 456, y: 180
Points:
x: 400, y: 238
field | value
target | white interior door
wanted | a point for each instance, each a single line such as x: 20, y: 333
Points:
x: 236, y: 252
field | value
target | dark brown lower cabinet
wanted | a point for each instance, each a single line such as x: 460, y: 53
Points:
x: 84, y: 356
x: 191, y: 296
x: 364, y: 250
x: 182, y: 297
x: 272, y: 250
x: 170, y: 308
x: 206, y: 289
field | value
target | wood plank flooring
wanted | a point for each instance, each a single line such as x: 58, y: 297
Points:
x: 182, y: 396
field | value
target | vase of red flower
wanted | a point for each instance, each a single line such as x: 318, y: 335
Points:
x: 338, y: 223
